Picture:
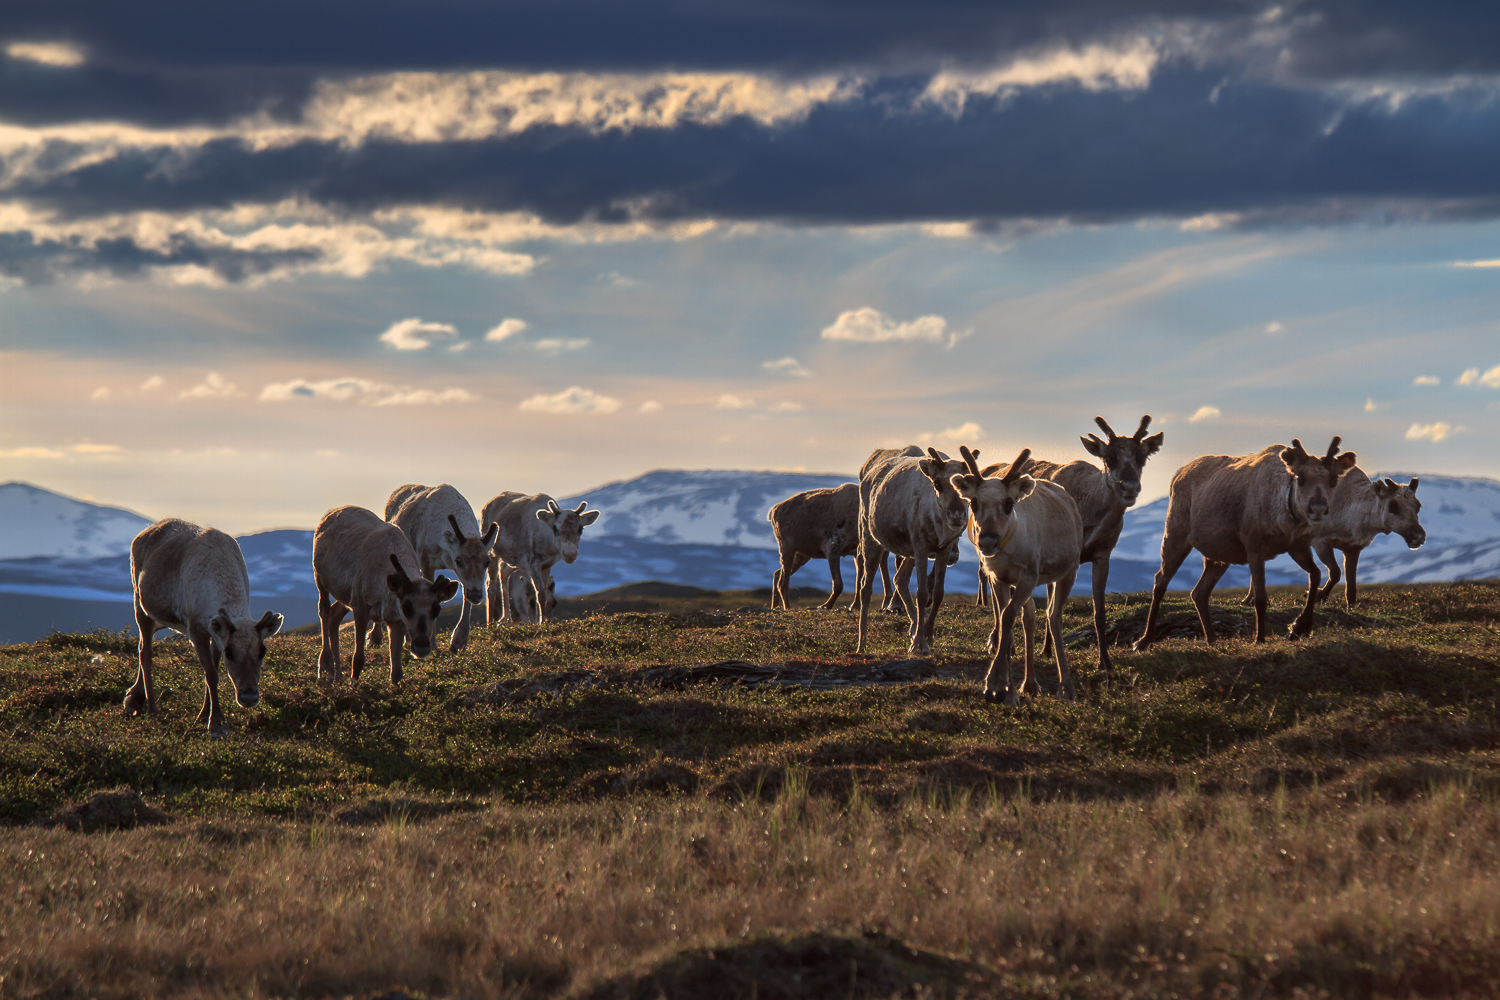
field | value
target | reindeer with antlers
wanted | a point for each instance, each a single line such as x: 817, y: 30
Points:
x: 443, y: 530
x: 1247, y: 510
x: 907, y: 505
x: 1102, y: 496
x: 1028, y: 533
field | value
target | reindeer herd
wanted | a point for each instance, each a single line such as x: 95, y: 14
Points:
x: 1033, y: 523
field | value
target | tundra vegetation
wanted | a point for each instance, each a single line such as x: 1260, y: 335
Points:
x: 586, y: 809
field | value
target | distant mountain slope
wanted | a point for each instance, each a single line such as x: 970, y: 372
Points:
x: 709, y: 508
x: 38, y: 522
x: 706, y: 529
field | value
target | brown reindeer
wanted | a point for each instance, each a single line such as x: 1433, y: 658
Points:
x: 1362, y: 508
x: 908, y: 505
x: 441, y: 527
x: 815, y: 524
x: 1247, y: 510
x: 1028, y: 533
x: 1103, y: 496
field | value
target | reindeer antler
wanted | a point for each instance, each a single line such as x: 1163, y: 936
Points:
x: 457, y: 531
x: 397, y: 563
x: 1103, y: 426
x: 971, y: 459
x: 1333, y: 449
x: 579, y: 508
x: 1019, y: 465
x: 1141, y: 430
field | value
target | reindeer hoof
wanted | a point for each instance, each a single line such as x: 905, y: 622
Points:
x: 992, y: 697
x: 134, y: 703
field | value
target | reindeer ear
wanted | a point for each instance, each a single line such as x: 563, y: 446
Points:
x: 1093, y: 445
x: 1152, y: 444
x: 965, y: 485
x: 1291, y: 456
x: 588, y: 517
x: 222, y: 626
x: 444, y: 587
x: 547, y: 516
x: 269, y: 624
x: 1021, y: 487
x: 1344, y: 463
x: 930, y: 468
x: 397, y: 582
x: 448, y: 537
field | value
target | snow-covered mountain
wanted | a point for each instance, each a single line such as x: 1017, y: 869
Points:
x: 38, y: 522
x: 707, y: 529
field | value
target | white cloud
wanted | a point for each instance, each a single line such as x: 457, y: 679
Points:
x: 1095, y: 67
x: 413, y: 334
x: 100, y: 394
x: 213, y: 386
x: 507, y: 328
x: 787, y: 406
x: 1371, y: 406
x: 555, y: 345
x: 729, y: 401
x: 362, y: 391
x: 1428, y: 432
x: 30, y: 452
x: 96, y: 449
x: 1477, y: 263
x: 617, y: 280
x: 1426, y: 380
x: 649, y: 406
x: 462, y: 345
x: 1205, y: 413
x: 573, y: 399
x: 47, y: 53
x: 871, y: 326
x: 1274, y: 327
x: 965, y: 433
x: 1471, y: 376
x: 786, y: 366
x: 152, y: 384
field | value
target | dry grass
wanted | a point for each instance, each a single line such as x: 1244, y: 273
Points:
x: 802, y: 896
x: 552, y: 814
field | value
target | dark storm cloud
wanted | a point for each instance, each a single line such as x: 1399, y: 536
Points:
x: 1186, y: 145
x: 34, y: 261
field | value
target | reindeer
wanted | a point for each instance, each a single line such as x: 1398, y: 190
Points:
x: 534, y: 533
x: 1247, y: 510
x: 821, y: 524
x: 1362, y: 508
x: 907, y: 505
x: 521, y: 596
x: 434, y: 519
x: 1027, y: 532
x: 1102, y: 496
x: 364, y: 565
x: 194, y: 580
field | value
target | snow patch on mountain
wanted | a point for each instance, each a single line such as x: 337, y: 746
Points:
x: 38, y: 522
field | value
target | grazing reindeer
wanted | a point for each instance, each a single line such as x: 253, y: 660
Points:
x: 364, y: 565
x: 822, y: 524
x: 534, y: 534
x: 907, y: 505
x: 1028, y: 533
x: 521, y: 597
x: 441, y: 527
x: 1361, y: 509
x: 194, y: 580
x: 1102, y: 496
x: 1247, y: 510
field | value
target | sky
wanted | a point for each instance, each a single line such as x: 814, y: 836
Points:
x: 258, y: 260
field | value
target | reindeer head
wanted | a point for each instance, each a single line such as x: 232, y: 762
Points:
x: 1124, y: 457
x: 1399, y: 507
x: 470, y: 557
x: 1314, y: 479
x: 419, y: 602
x: 567, y: 525
x: 941, y: 469
x: 242, y: 644
x: 993, y: 501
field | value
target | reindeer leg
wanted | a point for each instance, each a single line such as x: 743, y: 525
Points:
x: 1100, y: 578
x: 1212, y: 571
x: 1303, y: 625
x: 1351, y: 560
x: 398, y: 643
x: 901, y: 587
x: 208, y: 656
x: 870, y: 557
x: 330, y: 614
x: 1324, y: 549
x: 776, y: 590
x: 1262, y: 599
x: 142, y: 694
x: 1028, y: 636
x: 917, y: 646
x: 982, y: 594
x: 835, y: 573
x: 358, y: 666
x: 999, y: 595
x: 1000, y: 665
x: 1055, y: 601
x: 1046, y: 634
x: 459, y: 640
x: 939, y: 578
x: 1173, y: 552
x: 494, y: 593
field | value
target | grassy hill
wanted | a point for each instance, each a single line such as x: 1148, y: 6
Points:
x: 693, y: 795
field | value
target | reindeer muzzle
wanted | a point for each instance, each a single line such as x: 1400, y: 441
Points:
x: 1416, y: 539
x: 247, y: 699
x: 1130, y: 493
x: 474, y: 595
x: 989, y: 543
